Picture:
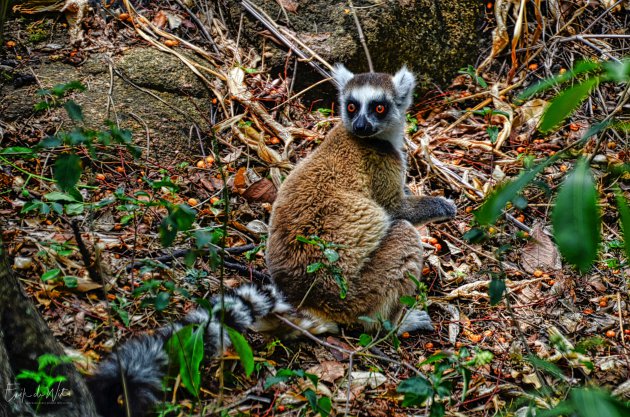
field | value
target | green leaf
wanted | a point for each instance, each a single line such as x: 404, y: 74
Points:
x: 73, y: 110
x: 175, y: 344
x: 331, y: 254
x: 342, y: 283
x: 67, y: 171
x: 416, y: 389
x: 475, y: 235
x: 60, y: 89
x: 192, y: 355
x: 50, y: 142
x: 184, y: 216
x: 51, y: 274
x: 71, y: 281
x: 57, y: 208
x: 186, y: 349
x: 576, y: 219
x: 365, y: 339
x: 168, y: 231
x: 283, y: 375
x: 74, y: 209
x: 35, y: 205
x: 314, y: 267
x: 594, y: 402
x: 624, y: 220
x: 494, y: 204
x: 324, y: 404
x: 243, y: 349
x: 161, y: 300
x: 580, y: 68
x: 546, y: 366
x: 618, y: 72
x: 42, y: 105
x: 564, y: 408
x: 311, y: 396
x: 493, y: 133
x: 495, y: 290
x: 466, y: 377
x: 437, y: 410
x: 16, y: 150
x: 566, y: 103
x: 436, y: 357
x: 124, y: 316
x: 408, y: 300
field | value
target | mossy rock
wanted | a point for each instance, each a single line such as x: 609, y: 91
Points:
x: 434, y: 38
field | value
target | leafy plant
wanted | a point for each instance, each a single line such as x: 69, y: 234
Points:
x: 186, y: 350
x: 68, y: 166
x: 160, y: 292
x: 575, y: 216
x: 578, y: 401
x: 587, y: 75
x: 245, y: 353
x: 54, y: 98
x: 330, y: 258
x: 472, y: 73
x: 487, y: 113
x: 321, y: 405
x: 55, y: 275
x: 412, y: 124
x: 438, y: 387
x: 44, y: 377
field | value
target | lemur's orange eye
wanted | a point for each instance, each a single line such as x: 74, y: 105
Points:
x: 351, y: 107
x: 380, y: 109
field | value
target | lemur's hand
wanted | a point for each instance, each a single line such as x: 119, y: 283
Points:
x: 420, y: 210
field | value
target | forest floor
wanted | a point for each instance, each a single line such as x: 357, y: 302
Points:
x: 554, y: 330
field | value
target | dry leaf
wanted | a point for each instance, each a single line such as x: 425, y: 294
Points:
x: 160, y: 19
x: 289, y: 5
x: 540, y: 252
x: 240, y: 180
x: 529, y: 114
x: 364, y: 378
x: 328, y: 371
x: 263, y: 191
x: 86, y: 284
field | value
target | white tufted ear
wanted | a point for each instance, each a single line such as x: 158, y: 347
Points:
x: 341, y: 75
x: 404, y: 82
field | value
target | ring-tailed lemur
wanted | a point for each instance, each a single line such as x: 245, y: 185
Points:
x: 350, y: 192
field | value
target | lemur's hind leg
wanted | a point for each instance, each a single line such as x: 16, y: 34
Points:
x: 385, y: 278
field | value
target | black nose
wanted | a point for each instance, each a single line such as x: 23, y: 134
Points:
x: 362, y: 127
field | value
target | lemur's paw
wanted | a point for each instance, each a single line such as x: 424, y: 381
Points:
x: 446, y: 208
x: 415, y: 320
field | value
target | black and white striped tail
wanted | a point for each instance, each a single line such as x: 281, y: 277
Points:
x: 143, y: 361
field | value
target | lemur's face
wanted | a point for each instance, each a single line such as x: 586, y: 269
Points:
x: 374, y: 104
x: 367, y: 110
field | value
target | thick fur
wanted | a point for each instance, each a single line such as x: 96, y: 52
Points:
x: 350, y: 191
x: 141, y: 363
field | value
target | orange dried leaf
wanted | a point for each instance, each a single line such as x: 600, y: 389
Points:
x: 160, y: 20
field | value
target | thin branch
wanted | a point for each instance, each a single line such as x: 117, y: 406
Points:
x: 361, y: 36
x: 272, y: 27
x: 201, y: 26
x: 346, y: 351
